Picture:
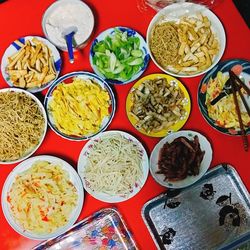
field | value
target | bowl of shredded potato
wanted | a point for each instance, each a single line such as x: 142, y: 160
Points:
x: 79, y: 105
x: 23, y: 125
x: 113, y: 166
x: 222, y: 115
x: 42, y: 197
x: 185, y: 39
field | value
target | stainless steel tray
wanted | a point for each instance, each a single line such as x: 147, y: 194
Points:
x: 102, y: 231
x: 211, y: 214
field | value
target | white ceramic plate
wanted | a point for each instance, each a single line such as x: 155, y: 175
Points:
x: 173, y: 12
x: 83, y: 161
x: 74, y: 178
x: 45, y: 124
x: 13, y: 48
x: 154, y: 158
x: 131, y: 33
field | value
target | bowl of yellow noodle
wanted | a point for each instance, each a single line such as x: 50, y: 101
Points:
x: 185, y: 39
x: 23, y: 124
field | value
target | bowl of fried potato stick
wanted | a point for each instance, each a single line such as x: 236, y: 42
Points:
x: 79, y: 105
x: 186, y: 39
x: 31, y: 63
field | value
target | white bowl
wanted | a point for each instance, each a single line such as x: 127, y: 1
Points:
x: 189, y: 180
x: 82, y: 161
x: 74, y: 178
x: 45, y: 124
x: 173, y: 12
x: 61, y: 4
x: 109, y: 33
x: 83, y: 75
x: 13, y: 48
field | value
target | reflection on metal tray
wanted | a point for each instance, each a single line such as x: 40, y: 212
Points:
x: 103, y: 231
x: 212, y: 214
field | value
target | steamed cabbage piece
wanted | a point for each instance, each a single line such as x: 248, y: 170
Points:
x: 223, y: 112
x: 118, y: 56
x: 78, y: 108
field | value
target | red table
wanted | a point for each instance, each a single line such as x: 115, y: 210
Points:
x: 21, y: 18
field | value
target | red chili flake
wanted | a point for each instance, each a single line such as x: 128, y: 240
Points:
x: 220, y: 123
x: 45, y: 218
x: 237, y: 69
x: 8, y: 199
x: 204, y: 88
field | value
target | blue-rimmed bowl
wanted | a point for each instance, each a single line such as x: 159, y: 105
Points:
x: 130, y: 33
x: 68, y: 78
x: 14, y: 47
x: 224, y: 67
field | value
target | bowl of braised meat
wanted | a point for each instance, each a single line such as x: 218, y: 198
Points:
x: 180, y: 159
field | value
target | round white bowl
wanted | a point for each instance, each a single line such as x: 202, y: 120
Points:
x: 189, y: 180
x: 131, y: 33
x: 83, y: 75
x: 13, y: 48
x: 53, y: 7
x: 173, y: 12
x: 82, y: 161
x: 45, y: 124
x: 74, y: 178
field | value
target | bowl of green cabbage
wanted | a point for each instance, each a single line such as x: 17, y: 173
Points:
x: 119, y: 55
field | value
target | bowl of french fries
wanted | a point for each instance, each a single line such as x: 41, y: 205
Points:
x: 31, y: 63
x: 186, y: 39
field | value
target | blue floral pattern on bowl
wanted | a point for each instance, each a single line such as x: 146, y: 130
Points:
x: 14, y: 47
x: 83, y: 75
x: 130, y: 32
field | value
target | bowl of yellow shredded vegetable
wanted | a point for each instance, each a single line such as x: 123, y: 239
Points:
x: 42, y: 197
x: 222, y: 115
x: 79, y: 105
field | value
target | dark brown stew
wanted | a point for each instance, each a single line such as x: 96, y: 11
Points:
x: 180, y: 158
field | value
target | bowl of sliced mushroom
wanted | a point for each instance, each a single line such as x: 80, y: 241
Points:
x: 157, y: 105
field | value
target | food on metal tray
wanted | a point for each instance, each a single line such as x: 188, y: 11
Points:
x: 118, y: 56
x: 187, y: 46
x: 180, y: 158
x: 42, y: 198
x: 223, y: 112
x: 32, y: 65
x: 114, y: 165
x: 22, y: 125
x: 157, y: 104
x: 79, y: 108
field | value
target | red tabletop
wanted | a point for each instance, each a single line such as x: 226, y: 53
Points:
x: 21, y: 18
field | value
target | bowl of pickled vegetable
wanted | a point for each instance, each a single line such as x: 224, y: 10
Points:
x: 119, y: 55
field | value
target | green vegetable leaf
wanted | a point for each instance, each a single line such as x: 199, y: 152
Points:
x: 118, y: 56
